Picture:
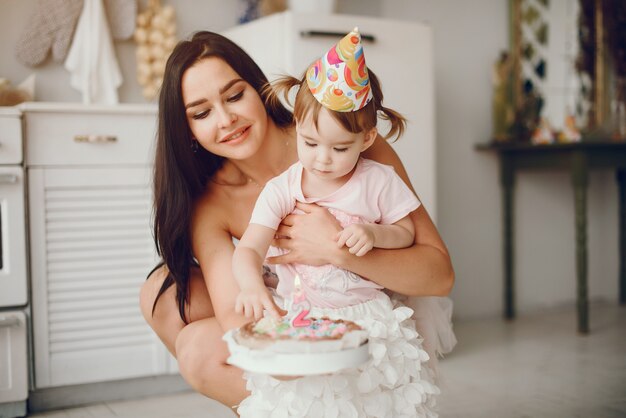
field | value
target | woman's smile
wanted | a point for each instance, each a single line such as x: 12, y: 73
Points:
x: 236, y: 137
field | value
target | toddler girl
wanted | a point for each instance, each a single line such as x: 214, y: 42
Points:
x: 336, y: 109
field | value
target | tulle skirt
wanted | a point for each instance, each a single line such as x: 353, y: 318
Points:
x: 396, y: 382
x: 433, y: 321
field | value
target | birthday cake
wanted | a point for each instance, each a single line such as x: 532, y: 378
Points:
x: 278, y: 347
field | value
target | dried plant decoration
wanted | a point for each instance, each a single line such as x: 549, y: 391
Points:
x: 155, y: 36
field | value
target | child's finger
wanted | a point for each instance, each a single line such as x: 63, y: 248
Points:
x: 258, y: 311
x: 251, y: 311
x: 274, y: 308
x: 271, y: 307
x: 342, y: 237
x: 355, y: 248
x: 351, y: 241
x: 364, y: 250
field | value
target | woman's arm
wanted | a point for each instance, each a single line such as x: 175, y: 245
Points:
x: 422, y: 269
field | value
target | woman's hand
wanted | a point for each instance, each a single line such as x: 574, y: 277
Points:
x: 310, y: 238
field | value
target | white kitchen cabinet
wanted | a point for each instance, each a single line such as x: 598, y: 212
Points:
x: 10, y: 136
x: 400, y: 53
x: 89, y: 194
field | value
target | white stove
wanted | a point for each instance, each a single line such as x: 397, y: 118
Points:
x: 13, y: 273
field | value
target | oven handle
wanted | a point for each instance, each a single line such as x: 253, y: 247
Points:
x: 8, y: 178
x: 95, y: 139
x: 331, y: 34
x: 9, y: 321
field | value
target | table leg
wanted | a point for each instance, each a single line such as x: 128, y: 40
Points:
x: 507, y: 176
x: 580, y: 180
x: 621, y: 180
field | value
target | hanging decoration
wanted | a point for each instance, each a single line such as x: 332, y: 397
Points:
x: 50, y: 27
x: 91, y: 60
x: 155, y: 36
x: 121, y: 16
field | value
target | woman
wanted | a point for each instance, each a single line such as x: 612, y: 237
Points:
x: 218, y: 144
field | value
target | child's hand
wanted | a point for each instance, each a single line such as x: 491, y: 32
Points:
x: 251, y: 302
x: 358, y: 237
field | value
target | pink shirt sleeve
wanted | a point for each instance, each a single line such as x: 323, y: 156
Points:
x: 274, y: 203
x: 395, y: 199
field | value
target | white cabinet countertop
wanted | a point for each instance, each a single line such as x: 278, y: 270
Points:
x: 134, y: 108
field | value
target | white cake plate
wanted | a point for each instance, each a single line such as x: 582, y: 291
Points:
x: 295, y: 364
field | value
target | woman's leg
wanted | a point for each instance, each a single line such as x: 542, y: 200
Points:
x: 198, y: 346
x: 165, y: 321
x: 202, y: 362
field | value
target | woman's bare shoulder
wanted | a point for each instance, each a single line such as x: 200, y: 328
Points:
x: 225, y: 206
x: 212, y: 207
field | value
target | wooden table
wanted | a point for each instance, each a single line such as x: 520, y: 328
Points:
x: 578, y: 159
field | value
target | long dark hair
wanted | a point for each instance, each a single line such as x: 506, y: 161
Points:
x: 180, y: 174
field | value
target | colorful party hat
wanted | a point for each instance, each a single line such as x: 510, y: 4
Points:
x: 339, y: 79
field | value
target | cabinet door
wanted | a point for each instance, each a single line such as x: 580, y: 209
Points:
x: 91, y: 249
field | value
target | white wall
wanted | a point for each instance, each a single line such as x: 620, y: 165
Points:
x: 468, y: 38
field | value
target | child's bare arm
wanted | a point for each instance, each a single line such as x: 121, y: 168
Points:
x: 398, y: 235
x: 361, y: 238
x: 247, y: 269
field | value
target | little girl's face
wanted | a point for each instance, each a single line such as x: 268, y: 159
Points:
x: 330, y: 152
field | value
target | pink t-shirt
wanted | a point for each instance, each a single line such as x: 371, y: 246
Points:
x: 374, y: 194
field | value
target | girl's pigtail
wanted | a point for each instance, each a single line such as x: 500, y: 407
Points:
x: 281, y: 86
x: 398, y: 122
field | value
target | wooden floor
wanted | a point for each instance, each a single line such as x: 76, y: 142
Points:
x: 535, y: 366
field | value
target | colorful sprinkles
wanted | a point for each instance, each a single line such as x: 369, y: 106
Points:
x: 320, y: 328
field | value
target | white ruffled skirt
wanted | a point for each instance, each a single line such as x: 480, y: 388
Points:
x: 396, y: 382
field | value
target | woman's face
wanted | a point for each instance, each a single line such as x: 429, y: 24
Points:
x: 225, y: 113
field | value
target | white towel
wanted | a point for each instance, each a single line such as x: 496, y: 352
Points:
x: 91, y: 60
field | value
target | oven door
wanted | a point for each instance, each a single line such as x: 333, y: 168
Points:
x: 13, y: 281
x: 13, y: 358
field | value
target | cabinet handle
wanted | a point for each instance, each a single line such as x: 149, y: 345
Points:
x: 9, y: 321
x: 95, y: 139
x: 8, y: 178
x: 330, y: 34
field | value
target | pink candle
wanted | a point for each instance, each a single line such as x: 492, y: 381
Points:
x: 300, y: 306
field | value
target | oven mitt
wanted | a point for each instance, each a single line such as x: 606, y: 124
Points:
x: 121, y: 15
x: 50, y: 26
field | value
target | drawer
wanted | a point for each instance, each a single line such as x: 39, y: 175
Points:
x: 14, y: 358
x: 10, y: 139
x: 93, y: 136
